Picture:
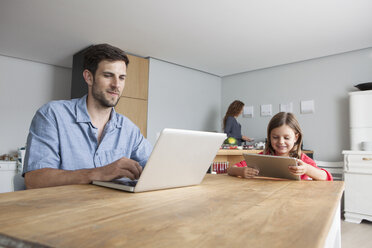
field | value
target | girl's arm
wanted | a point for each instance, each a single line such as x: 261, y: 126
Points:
x: 244, y: 172
x: 311, y: 171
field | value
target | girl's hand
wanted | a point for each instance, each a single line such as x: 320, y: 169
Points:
x: 249, y: 172
x: 300, y: 169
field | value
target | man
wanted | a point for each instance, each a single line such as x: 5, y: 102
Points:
x: 80, y: 140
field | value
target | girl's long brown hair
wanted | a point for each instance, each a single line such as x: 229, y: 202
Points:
x: 278, y: 120
x: 233, y: 110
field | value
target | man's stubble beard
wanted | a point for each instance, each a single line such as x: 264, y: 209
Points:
x: 100, y: 97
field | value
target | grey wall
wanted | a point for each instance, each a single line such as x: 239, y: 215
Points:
x: 326, y: 80
x: 178, y: 97
x: 24, y: 87
x: 182, y: 98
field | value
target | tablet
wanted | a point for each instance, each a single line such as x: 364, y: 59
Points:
x: 271, y: 166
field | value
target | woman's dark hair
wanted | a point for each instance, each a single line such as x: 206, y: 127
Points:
x: 93, y: 55
x: 278, y: 120
x: 233, y: 110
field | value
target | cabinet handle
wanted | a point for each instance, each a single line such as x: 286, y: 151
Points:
x: 368, y: 159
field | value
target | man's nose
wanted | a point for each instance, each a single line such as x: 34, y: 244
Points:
x: 115, y: 82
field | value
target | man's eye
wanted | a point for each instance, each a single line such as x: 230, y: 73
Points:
x: 107, y: 75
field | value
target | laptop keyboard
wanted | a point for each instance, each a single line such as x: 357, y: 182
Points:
x: 126, y: 181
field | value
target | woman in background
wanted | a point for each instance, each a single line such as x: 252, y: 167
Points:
x: 230, y: 125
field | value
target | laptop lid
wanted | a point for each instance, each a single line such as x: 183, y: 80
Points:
x: 179, y: 158
x: 271, y: 166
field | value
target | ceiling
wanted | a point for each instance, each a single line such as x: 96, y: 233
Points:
x: 221, y: 37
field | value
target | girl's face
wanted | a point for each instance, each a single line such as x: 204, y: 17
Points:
x: 283, y: 139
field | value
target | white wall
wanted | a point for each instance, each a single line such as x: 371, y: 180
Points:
x: 24, y: 87
x: 326, y: 80
x: 182, y: 98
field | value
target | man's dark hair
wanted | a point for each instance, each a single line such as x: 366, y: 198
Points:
x: 93, y: 55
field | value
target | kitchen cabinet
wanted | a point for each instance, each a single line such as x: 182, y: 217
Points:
x: 358, y: 185
x: 135, y: 110
x: 133, y: 102
x: 136, y: 82
x: 8, y: 170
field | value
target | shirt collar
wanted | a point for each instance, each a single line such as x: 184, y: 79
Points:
x: 81, y: 110
x: 114, y: 119
x: 83, y: 116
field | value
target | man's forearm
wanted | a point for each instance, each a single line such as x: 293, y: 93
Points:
x: 49, y: 177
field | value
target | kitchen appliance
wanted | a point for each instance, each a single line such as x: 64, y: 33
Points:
x: 360, y: 118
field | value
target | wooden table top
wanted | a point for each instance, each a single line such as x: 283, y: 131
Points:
x: 223, y: 211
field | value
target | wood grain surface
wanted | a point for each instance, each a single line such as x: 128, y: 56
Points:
x: 223, y: 211
x: 136, y: 83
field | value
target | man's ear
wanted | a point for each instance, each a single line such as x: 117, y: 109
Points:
x: 88, y: 77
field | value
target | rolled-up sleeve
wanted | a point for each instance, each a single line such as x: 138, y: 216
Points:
x: 42, y: 149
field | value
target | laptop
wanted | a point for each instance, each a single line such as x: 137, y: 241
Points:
x: 271, y: 166
x: 179, y: 158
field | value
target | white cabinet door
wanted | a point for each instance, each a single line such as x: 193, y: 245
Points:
x: 358, y: 185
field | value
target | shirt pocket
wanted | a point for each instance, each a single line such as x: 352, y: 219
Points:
x: 107, y: 157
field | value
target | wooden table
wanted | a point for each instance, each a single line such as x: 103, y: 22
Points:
x: 223, y: 211
x: 234, y: 156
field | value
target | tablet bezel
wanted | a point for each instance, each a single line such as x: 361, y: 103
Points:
x: 271, y: 166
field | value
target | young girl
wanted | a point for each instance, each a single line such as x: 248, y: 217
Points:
x: 284, y: 138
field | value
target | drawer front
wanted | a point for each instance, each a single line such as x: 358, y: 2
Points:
x: 358, y: 194
x: 358, y: 163
x: 8, y: 165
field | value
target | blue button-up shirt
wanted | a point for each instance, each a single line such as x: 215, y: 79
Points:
x: 62, y: 136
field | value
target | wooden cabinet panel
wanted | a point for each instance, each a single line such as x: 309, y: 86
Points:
x: 136, y: 85
x: 135, y: 110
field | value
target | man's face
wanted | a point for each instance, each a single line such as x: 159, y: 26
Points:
x: 108, y: 82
